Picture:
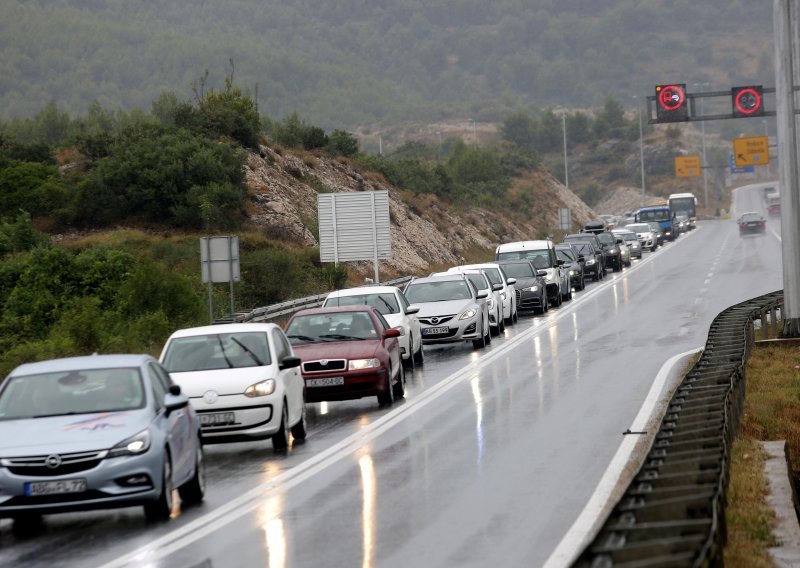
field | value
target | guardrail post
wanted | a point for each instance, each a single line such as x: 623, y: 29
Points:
x: 774, y: 316
x: 764, y: 325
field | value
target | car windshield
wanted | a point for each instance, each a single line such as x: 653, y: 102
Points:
x: 519, y: 270
x: 751, y: 217
x: 530, y: 254
x: 605, y: 238
x: 627, y: 236
x: 585, y: 249
x: 655, y: 226
x: 639, y: 228
x: 478, y: 280
x: 565, y: 255
x: 443, y: 291
x: 493, y: 275
x: 336, y: 326
x: 655, y: 215
x: 217, y: 351
x: 385, y: 302
x: 71, y: 392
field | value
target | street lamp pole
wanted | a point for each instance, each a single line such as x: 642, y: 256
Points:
x: 703, y: 139
x: 474, y: 132
x: 564, y: 130
x: 641, y: 146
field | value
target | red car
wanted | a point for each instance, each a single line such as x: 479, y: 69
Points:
x: 347, y: 352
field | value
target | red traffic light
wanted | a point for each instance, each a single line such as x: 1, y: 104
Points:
x: 671, y: 103
x: 747, y: 101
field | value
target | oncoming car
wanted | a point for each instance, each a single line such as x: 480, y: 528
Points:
x: 390, y: 302
x: 242, y: 379
x: 93, y: 433
x: 348, y: 352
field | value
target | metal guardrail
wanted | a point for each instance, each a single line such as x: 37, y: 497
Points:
x: 290, y: 307
x: 673, y: 512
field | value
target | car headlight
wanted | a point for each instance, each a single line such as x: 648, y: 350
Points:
x: 359, y: 364
x: 612, y: 251
x: 491, y: 303
x: 133, y: 446
x: 573, y: 272
x: 470, y: 313
x: 531, y: 289
x: 590, y: 262
x: 260, y: 389
x: 502, y: 295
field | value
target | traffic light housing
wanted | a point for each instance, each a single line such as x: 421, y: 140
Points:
x: 671, y: 103
x: 747, y: 101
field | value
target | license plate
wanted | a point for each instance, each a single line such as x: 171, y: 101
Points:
x: 325, y: 382
x: 35, y: 489
x: 217, y: 419
x: 435, y: 330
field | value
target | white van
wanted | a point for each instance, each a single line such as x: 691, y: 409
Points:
x: 543, y: 256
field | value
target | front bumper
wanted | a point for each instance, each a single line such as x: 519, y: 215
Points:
x: 458, y: 330
x: 255, y: 418
x: 356, y: 385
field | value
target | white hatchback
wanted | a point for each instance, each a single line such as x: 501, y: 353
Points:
x: 390, y: 302
x: 243, y: 380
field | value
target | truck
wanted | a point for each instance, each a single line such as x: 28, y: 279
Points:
x: 774, y: 204
x: 662, y: 215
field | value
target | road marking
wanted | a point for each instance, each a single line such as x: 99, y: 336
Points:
x: 777, y: 236
x: 206, y: 524
x: 588, y: 522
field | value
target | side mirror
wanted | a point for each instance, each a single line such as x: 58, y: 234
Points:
x: 175, y: 399
x: 289, y: 363
x: 392, y: 332
x: 581, y: 258
x: 511, y: 281
x: 559, y: 262
x: 412, y: 310
x: 482, y: 294
x: 497, y: 287
x: 619, y: 241
x: 541, y: 273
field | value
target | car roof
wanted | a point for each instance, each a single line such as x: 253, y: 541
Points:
x: 224, y: 328
x: 361, y: 290
x: 475, y: 266
x: 451, y: 276
x: 524, y: 245
x: 334, y: 309
x: 81, y: 363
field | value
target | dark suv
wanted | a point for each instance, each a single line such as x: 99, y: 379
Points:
x: 592, y: 258
x: 530, y: 287
x: 611, y: 250
x: 589, y: 238
x: 573, y: 262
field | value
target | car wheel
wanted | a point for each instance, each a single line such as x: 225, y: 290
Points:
x: 480, y: 342
x: 280, y: 439
x: 419, y: 356
x: 545, y: 303
x: 583, y: 282
x: 193, y: 491
x: 515, y: 317
x: 386, y: 398
x: 399, y: 387
x: 161, y: 508
x: 501, y: 323
x: 300, y: 430
x: 488, y: 331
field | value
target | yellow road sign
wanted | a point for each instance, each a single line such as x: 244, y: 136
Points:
x: 753, y: 151
x: 687, y: 166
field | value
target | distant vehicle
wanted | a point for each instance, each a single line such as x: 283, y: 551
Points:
x: 631, y: 240
x: 530, y: 287
x: 774, y: 204
x: 662, y: 215
x: 348, y: 352
x: 644, y: 232
x: 682, y: 223
x: 592, y: 259
x: 543, y: 256
x: 574, y: 262
x: 611, y: 221
x: 243, y: 380
x: 94, y: 433
x: 392, y: 305
x: 656, y: 227
x: 591, y: 238
x: 451, y: 310
x: 684, y: 204
x: 595, y: 227
x: 611, y: 252
x: 752, y: 223
x: 496, y: 276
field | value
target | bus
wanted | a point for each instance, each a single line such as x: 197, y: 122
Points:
x: 774, y: 204
x: 684, y: 204
x: 662, y: 215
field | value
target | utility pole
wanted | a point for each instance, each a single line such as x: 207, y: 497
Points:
x: 787, y: 68
x: 641, y: 144
x: 564, y: 130
x: 703, y: 139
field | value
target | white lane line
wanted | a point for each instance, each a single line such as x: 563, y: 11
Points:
x: 777, y: 236
x: 242, y: 505
x: 614, y: 478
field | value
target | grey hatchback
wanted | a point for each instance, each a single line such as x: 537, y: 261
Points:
x: 96, y: 432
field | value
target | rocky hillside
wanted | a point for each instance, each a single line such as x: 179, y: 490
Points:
x: 426, y: 232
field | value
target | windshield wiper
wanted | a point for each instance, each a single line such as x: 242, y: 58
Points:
x: 340, y: 336
x: 387, y: 304
x: 221, y: 346
x: 301, y: 337
x: 253, y: 356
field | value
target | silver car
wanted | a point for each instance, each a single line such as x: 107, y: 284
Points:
x: 96, y: 432
x: 631, y: 240
x: 644, y: 232
x: 450, y: 309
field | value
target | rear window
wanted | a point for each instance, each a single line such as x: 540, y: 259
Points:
x: 519, y: 270
x: 438, y: 291
x: 540, y: 258
x: 385, y: 303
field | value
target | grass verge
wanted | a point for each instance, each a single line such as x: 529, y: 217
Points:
x: 772, y: 412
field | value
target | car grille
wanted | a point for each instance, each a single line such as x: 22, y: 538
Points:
x: 324, y: 365
x: 433, y: 320
x: 37, y: 466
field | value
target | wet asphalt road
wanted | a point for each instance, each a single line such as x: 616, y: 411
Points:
x: 488, y: 460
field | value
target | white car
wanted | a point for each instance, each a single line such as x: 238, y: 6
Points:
x: 494, y: 302
x: 644, y: 232
x: 243, y: 380
x: 494, y: 272
x: 390, y: 302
